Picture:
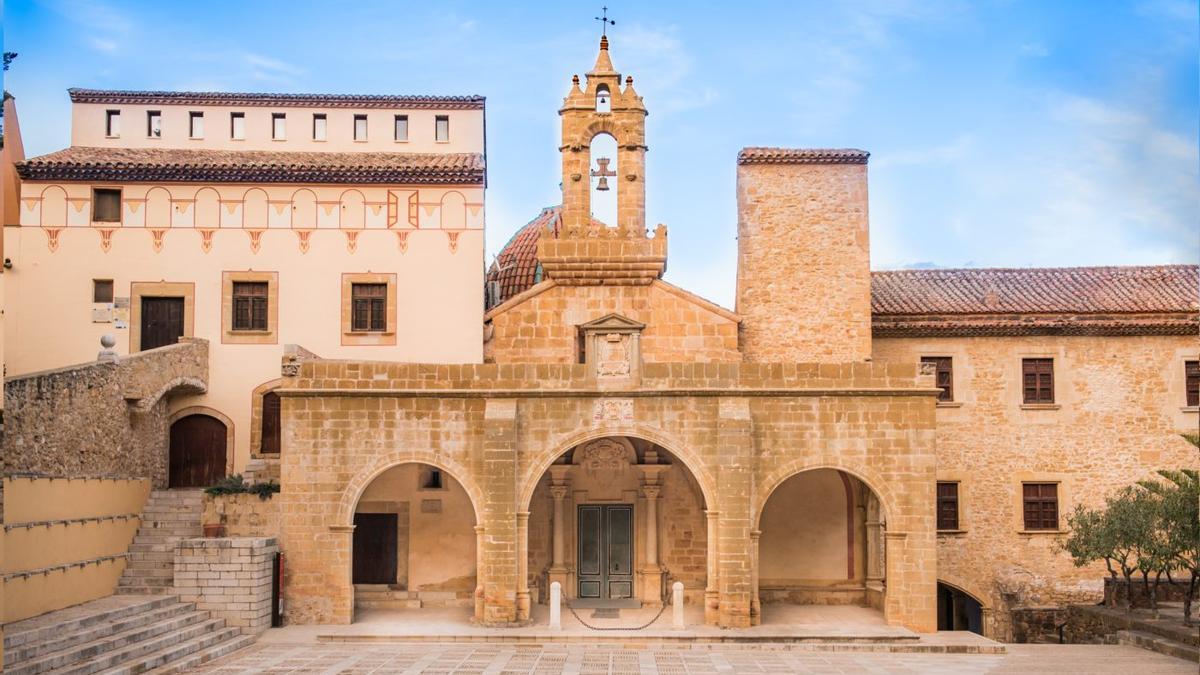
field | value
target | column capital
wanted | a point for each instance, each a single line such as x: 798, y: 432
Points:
x: 651, y: 491
x: 755, y: 534
x: 480, y: 529
x: 559, y: 491
x: 522, y: 517
x: 341, y: 529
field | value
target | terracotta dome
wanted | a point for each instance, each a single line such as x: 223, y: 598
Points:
x: 517, y: 268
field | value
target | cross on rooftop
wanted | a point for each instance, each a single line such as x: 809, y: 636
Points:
x: 605, y: 21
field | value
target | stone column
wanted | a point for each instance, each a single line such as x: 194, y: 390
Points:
x: 523, y: 566
x: 558, y: 567
x: 712, y: 603
x: 339, y: 547
x: 755, y: 601
x: 651, y: 572
x: 479, y: 543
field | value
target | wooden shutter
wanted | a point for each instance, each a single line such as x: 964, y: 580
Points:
x: 1037, y: 377
x: 1192, y: 382
x: 1041, y: 506
x: 947, y: 506
x: 943, y: 368
x: 369, y: 307
x: 250, y: 305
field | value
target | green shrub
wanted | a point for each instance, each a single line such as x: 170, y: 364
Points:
x: 236, y: 485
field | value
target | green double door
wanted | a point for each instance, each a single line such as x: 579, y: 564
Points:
x: 605, y: 551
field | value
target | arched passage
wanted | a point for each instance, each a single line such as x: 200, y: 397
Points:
x: 820, y: 542
x: 415, y: 540
x: 615, y: 519
x: 958, y: 609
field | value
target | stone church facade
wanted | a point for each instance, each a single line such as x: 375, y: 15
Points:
x: 909, y: 441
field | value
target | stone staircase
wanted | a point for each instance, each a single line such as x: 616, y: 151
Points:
x: 170, y: 515
x: 1158, y: 643
x: 383, y: 596
x: 119, y: 635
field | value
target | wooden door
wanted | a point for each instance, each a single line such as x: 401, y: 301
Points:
x: 375, y: 548
x: 605, y: 551
x: 197, y: 451
x: 162, y: 322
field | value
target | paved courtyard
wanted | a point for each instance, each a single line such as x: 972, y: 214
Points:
x: 483, y: 658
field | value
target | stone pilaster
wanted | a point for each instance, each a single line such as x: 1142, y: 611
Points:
x: 499, y: 462
x: 755, y: 602
x: 736, y: 449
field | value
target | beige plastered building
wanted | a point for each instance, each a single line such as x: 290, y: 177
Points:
x: 909, y: 442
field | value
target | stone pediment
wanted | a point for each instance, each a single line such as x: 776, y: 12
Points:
x: 612, y: 323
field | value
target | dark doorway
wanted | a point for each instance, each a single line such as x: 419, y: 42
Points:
x: 375, y: 548
x: 606, y: 551
x: 197, y: 451
x: 162, y: 322
x: 958, y: 611
x: 271, y: 426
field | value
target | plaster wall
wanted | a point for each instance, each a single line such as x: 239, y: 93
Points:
x: 88, y: 129
x: 804, y: 532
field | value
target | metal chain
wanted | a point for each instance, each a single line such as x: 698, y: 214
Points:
x: 645, y: 625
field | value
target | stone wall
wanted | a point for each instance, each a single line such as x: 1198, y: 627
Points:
x: 243, y: 515
x: 679, y: 326
x: 229, y: 577
x: 740, y: 429
x: 1118, y: 412
x: 803, y: 277
x: 103, y: 418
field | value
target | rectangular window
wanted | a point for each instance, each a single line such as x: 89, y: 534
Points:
x: 102, y: 290
x: 154, y: 124
x: 360, y: 127
x: 196, y: 125
x: 106, y: 205
x: 441, y: 130
x: 944, y: 373
x: 1191, y: 371
x: 1041, y: 506
x: 1038, y: 380
x: 369, y: 307
x: 112, y: 123
x: 318, y: 127
x: 947, y: 506
x: 250, y: 305
x: 237, y: 126
x: 402, y: 127
x: 278, y: 126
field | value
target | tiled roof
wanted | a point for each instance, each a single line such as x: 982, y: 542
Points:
x: 252, y: 166
x: 1157, y: 288
x: 516, y: 267
x: 1159, y: 299
x: 802, y: 156
x: 282, y: 100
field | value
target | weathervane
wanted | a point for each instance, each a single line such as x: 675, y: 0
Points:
x: 605, y: 21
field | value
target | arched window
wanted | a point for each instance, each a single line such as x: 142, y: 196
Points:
x: 271, y: 431
x: 604, y: 185
x: 603, y: 99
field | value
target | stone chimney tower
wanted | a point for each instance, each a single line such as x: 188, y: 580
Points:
x: 804, y: 268
x: 587, y: 251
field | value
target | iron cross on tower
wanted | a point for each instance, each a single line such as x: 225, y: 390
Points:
x: 603, y: 173
x: 605, y: 21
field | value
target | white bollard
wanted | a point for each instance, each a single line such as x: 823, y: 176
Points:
x: 677, y: 605
x: 555, y: 606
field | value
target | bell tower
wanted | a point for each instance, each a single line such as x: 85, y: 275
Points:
x: 588, y: 251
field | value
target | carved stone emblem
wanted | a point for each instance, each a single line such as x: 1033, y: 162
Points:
x: 604, y: 461
x: 614, y: 357
x: 619, y: 410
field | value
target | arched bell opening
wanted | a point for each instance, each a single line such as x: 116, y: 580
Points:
x: 616, y: 521
x: 603, y: 175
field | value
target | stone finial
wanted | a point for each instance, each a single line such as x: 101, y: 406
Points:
x: 107, y: 353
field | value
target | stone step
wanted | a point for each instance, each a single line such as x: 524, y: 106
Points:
x: 74, y: 657
x: 208, y: 631
x: 204, y: 655
x: 61, y: 638
x: 169, y: 658
x: 72, y: 619
x: 1160, y: 644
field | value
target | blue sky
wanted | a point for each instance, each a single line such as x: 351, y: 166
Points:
x: 1002, y: 132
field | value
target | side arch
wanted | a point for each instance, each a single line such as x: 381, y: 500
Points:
x: 358, y: 485
x: 770, y: 482
x: 961, y: 586
x: 676, y: 447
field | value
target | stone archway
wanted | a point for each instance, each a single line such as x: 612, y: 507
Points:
x: 961, y: 608
x: 614, y: 518
x: 819, y: 539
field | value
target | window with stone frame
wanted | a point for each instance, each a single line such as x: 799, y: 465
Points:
x: 271, y: 424
x: 368, y: 307
x: 250, y: 300
x: 947, y: 505
x: 943, y: 370
x: 1191, y: 374
x: 1040, y: 503
x: 1037, y: 380
x: 106, y: 205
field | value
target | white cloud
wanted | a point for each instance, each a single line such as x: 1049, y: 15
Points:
x: 103, y: 27
x: 268, y: 69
